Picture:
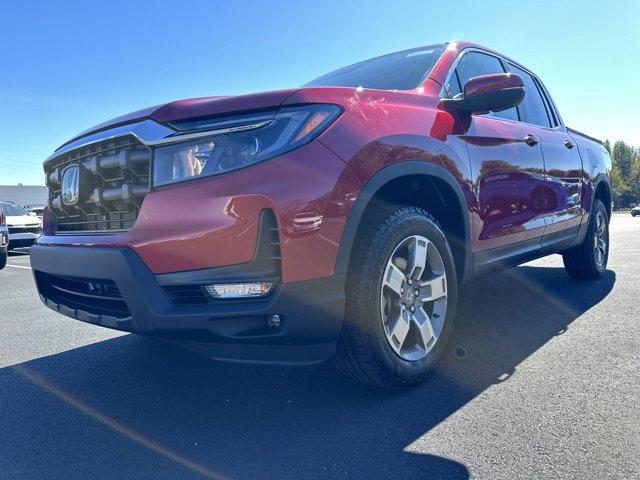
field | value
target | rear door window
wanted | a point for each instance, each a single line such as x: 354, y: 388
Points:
x: 553, y: 115
x: 533, y: 105
x: 473, y: 64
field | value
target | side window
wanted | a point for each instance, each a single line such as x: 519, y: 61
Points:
x: 553, y: 115
x: 453, y: 86
x: 473, y: 64
x: 533, y: 104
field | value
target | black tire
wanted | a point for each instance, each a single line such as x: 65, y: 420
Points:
x: 3, y: 259
x: 580, y: 261
x: 363, y: 351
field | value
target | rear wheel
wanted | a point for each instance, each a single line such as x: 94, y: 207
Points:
x: 589, y: 259
x: 401, y: 299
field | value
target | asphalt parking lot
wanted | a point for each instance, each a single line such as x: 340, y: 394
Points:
x: 542, y: 381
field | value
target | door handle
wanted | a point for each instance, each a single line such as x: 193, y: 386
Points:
x: 531, y: 140
x: 569, y: 144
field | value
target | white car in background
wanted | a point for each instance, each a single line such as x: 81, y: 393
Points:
x: 37, y: 209
x: 635, y: 211
x: 24, y: 228
x: 4, y: 239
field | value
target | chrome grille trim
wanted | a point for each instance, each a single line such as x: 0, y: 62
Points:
x: 115, y: 177
x: 145, y: 132
x: 149, y: 133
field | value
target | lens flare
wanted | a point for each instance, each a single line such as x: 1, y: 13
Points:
x: 113, y: 424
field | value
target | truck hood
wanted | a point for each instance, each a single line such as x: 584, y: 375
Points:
x: 27, y: 220
x: 194, y: 107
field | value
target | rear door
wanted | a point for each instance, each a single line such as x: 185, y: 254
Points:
x: 507, y: 169
x: 562, y: 163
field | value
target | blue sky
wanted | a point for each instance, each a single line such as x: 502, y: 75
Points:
x: 65, y: 66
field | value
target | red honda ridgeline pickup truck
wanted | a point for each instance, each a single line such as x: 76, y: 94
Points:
x: 333, y: 220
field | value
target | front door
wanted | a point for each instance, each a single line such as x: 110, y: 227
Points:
x: 507, y: 168
x: 509, y: 181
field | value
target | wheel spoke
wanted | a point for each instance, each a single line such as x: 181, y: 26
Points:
x: 602, y: 244
x: 423, y: 323
x: 434, y: 288
x: 398, y: 333
x: 601, y: 225
x: 417, y: 257
x: 393, y: 278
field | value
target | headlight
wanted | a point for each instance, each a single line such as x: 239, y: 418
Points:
x: 238, y: 141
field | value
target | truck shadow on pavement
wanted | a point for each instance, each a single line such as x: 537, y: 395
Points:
x: 132, y: 408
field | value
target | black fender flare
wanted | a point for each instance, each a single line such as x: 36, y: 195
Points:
x: 600, y: 179
x: 378, y: 180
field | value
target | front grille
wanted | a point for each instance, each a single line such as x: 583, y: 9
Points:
x: 24, y: 229
x: 99, y: 297
x: 113, y: 181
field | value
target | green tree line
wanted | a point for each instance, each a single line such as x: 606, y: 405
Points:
x: 625, y: 173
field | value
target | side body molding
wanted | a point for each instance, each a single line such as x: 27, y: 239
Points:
x: 377, y: 181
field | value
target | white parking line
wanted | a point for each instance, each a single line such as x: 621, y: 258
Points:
x: 18, y: 266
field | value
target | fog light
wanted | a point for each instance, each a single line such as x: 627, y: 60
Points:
x: 239, y: 290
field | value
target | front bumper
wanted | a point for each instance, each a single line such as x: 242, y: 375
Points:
x: 21, y: 240
x: 311, y: 311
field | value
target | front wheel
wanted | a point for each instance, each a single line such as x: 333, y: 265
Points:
x: 401, y: 299
x: 588, y: 260
x: 3, y: 259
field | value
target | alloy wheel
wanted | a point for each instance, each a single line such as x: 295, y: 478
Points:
x: 413, y: 298
x: 600, y: 241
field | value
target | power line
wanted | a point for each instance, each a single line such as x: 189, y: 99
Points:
x: 10, y: 158
x: 9, y: 162
x: 16, y: 161
x: 19, y: 164
x: 26, y: 169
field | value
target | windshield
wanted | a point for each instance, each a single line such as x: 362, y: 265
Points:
x: 12, y: 210
x: 396, y: 71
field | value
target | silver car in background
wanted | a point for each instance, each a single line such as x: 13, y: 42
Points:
x: 4, y: 239
x: 24, y: 228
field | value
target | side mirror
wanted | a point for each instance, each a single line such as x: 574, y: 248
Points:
x: 494, y: 92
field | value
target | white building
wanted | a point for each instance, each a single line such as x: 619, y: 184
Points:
x: 24, y: 194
